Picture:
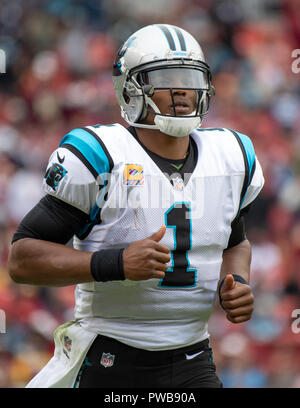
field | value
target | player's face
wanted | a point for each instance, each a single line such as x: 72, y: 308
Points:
x: 182, y: 103
x: 176, y: 99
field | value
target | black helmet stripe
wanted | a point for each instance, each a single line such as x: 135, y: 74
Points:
x: 181, y: 39
x: 168, y: 36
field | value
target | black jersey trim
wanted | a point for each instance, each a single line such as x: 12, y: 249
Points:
x: 246, y: 178
x: 164, y: 164
x: 104, y: 148
x: 81, y: 157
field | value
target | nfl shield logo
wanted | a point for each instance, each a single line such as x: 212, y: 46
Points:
x: 178, y: 183
x: 107, y: 360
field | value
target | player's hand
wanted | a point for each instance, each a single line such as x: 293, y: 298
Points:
x: 237, y: 300
x: 147, y: 258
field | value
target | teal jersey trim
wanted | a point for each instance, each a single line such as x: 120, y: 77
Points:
x: 90, y: 148
x: 92, y: 152
x: 249, y: 150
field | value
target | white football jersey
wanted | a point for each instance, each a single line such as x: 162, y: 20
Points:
x: 106, y: 173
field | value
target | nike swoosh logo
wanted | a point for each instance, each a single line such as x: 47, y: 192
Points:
x: 61, y: 160
x: 190, y: 356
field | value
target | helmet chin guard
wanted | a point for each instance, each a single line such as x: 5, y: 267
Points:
x: 170, y: 125
x: 177, y: 127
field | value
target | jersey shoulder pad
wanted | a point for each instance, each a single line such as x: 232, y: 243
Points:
x: 248, y: 152
x: 69, y: 177
x: 89, y: 148
x: 254, y: 180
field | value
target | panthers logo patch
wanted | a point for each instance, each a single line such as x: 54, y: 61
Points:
x: 54, y: 175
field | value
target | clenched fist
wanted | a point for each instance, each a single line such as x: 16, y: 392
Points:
x: 147, y: 258
x: 237, y: 300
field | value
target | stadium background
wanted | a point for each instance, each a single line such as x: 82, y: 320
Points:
x: 58, y: 77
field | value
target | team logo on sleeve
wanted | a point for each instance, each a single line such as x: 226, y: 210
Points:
x: 133, y: 175
x: 54, y: 175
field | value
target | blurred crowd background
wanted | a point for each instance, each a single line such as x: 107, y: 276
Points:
x: 59, y: 56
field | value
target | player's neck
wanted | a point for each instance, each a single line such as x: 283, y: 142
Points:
x: 164, y: 145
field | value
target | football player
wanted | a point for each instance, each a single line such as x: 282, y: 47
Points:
x: 156, y: 213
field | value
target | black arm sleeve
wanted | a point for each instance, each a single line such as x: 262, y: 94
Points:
x: 51, y: 220
x: 237, y: 232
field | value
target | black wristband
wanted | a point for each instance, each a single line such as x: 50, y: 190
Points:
x: 107, y: 265
x: 237, y: 278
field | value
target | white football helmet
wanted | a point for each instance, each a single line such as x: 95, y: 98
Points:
x: 161, y: 57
